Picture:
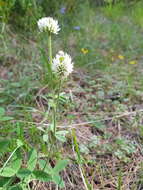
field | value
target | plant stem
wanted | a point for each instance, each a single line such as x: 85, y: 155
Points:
x: 51, y: 146
x: 50, y: 48
x: 76, y: 150
x: 83, y: 178
x: 3, y: 27
x: 49, y: 75
x: 28, y: 187
x: 9, y: 158
x: 54, y: 120
x: 56, y: 107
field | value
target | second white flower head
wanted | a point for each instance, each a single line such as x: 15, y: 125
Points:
x: 48, y: 24
x: 62, y: 64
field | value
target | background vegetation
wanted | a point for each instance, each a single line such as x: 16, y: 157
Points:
x: 101, y: 106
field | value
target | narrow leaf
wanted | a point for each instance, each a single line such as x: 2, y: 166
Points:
x: 2, y: 111
x: 6, y: 118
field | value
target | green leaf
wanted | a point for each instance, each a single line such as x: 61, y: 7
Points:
x: 45, y: 137
x: 61, y: 135
x: 83, y: 149
x: 99, y: 125
x: 15, y: 187
x: 23, y: 173
x: 6, y: 118
x: 32, y: 159
x: 4, y: 181
x: 7, y: 172
x: 58, y: 180
x: 60, y: 166
x: 94, y: 141
x: 4, y: 145
x: 2, y: 115
x: 64, y: 132
x: 19, y: 143
x: 45, y: 166
x: 41, y: 176
x: 11, y: 170
x: 51, y: 127
x: 13, y: 166
x: 76, y: 146
x: 61, y: 138
x: 2, y: 111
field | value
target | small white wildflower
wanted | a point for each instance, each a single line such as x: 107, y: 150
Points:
x: 48, y: 24
x: 62, y: 64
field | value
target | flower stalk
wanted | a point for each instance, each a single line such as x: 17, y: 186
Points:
x: 55, y: 112
x: 50, y: 48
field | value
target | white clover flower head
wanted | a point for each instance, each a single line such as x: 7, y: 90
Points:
x: 48, y: 24
x: 62, y: 64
